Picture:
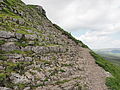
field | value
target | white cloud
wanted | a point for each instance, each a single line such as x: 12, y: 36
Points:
x: 100, y: 17
x: 100, y: 39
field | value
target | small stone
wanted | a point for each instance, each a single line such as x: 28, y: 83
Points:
x: 21, y: 13
x: 29, y: 76
x: 0, y: 8
x: 18, y: 35
x: 17, y: 56
x: 28, y: 59
x: 108, y: 74
x: 5, y: 88
x: 14, y: 19
x: 31, y: 42
x: 1, y: 68
x: 27, y: 88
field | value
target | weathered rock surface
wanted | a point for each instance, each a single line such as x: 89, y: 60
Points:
x: 10, y: 46
x: 38, y: 55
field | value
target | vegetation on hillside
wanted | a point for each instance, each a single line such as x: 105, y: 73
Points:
x: 112, y: 58
x: 112, y: 55
x: 112, y: 82
x: 70, y: 36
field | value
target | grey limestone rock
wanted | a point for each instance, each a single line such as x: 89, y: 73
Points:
x: 31, y: 42
x: 0, y: 8
x: 14, y: 19
x: 21, y: 13
x: 1, y: 68
x: 5, y: 88
x: 10, y: 46
x: 38, y: 49
x: 16, y: 78
x: 17, y: 56
x: 18, y: 35
x: 12, y: 40
x: 31, y: 37
x: 41, y: 10
x: 5, y: 34
x: 28, y: 59
x: 27, y: 48
x: 1, y: 0
x: 27, y: 88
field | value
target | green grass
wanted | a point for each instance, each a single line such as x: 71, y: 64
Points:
x: 61, y: 70
x: 45, y: 62
x: 6, y: 15
x: 112, y: 57
x: 23, y: 32
x: 112, y: 82
x: 62, y: 82
x: 32, y: 6
x: 37, y: 85
x: 17, y: 52
x: 66, y: 65
x: 2, y: 42
x: 2, y: 76
x: 6, y: 10
x: 21, y: 86
x: 2, y: 57
x: 18, y: 67
x: 23, y: 44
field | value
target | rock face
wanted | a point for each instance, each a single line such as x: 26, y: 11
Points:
x: 36, y: 54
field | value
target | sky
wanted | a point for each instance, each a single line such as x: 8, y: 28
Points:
x: 95, y: 22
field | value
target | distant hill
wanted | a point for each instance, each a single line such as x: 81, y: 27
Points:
x: 111, y: 54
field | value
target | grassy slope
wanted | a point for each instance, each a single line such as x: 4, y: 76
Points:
x: 114, y: 58
x: 112, y: 82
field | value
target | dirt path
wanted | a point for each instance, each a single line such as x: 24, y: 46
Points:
x: 95, y: 75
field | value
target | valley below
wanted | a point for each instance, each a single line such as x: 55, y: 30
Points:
x: 112, y: 54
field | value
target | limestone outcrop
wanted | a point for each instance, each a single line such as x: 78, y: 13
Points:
x: 36, y: 54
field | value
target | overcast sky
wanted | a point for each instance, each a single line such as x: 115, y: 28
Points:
x: 95, y: 22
